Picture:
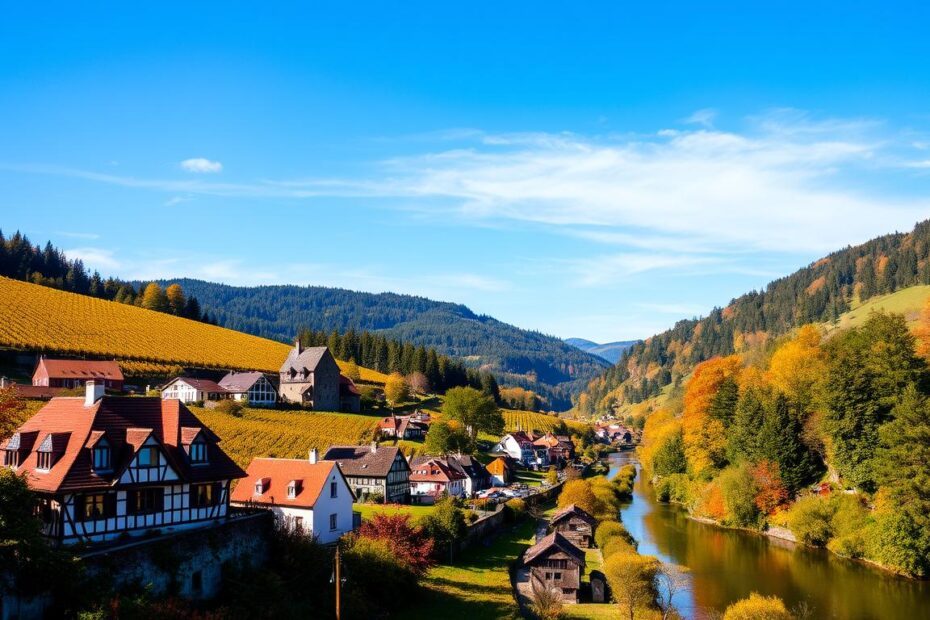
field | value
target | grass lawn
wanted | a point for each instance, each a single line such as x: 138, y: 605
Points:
x: 531, y: 478
x: 369, y: 510
x: 477, y: 585
x: 908, y: 301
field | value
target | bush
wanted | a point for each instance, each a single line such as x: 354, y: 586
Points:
x: 739, y: 497
x: 811, y: 520
x: 758, y: 607
x: 623, y: 481
x: 580, y: 492
x: 617, y: 544
x: 379, y: 579
x: 230, y: 407
x: 552, y: 476
x: 674, y: 488
x: 608, y: 530
x: 632, y: 581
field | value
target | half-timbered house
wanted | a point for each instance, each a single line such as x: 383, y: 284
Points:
x: 105, y: 467
x: 374, y: 470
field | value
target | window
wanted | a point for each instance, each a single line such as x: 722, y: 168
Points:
x: 298, y: 523
x: 94, y: 506
x: 333, y: 489
x: 204, y: 495
x: 259, y: 487
x: 197, y: 582
x: 292, y: 490
x: 44, y: 461
x: 198, y: 452
x: 145, y: 501
x: 557, y: 576
x: 102, y: 456
x: 147, y: 457
x: 11, y: 458
x: 332, y: 522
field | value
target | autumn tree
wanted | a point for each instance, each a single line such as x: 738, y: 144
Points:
x: 704, y: 435
x: 351, y: 370
x: 406, y: 540
x: 758, y: 607
x: 418, y: 383
x: 11, y: 410
x: 395, y: 389
x: 176, y: 299
x: 797, y: 368
x: 581, y: 493
x: 922, y: 332
x: 474, y: 410
x: 771, y: 493
x: 154, y: 298
x: 632, y: 581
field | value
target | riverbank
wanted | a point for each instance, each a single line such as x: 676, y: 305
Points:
x: 724, y: 565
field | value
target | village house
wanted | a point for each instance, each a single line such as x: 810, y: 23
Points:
x: 403, y: 427
x: 72, y: 374
x: 374, y: 471
x: 559, y: 449
x: 554, y: 563
x: 518, y: 446
x: 501, y: 471
x: 575, y: 524
x: 252, y: 387
x: 433, y: 477
x: 306, y: 495
x: 105, y: 467
x: 350, y: 399
x: 310, y: 377
x: 477, y: 477
x: 189, y: 390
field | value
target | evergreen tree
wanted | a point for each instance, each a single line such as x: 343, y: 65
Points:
x: 743, y: 437
x: 723, y: 404
x: 779, y: 441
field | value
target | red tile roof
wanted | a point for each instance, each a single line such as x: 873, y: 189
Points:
x: 430, y: 469
x: 277, y: 474
x: 36, y: 391
x: 81, y: 369
x: 122, y: 421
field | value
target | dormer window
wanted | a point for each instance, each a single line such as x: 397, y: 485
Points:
x: 293, y: 488
x: 147, y: 456
x: 11, y: 458
x: 44, y: 461
x: 261, y: 485
x: 102, y: 455
x: 198, y: 452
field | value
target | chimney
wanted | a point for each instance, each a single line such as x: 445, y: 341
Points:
x: 93, y: 393
x: 297, y: 346
x: 374, y: 447
x: 2, y: 382
x: 314, y: 456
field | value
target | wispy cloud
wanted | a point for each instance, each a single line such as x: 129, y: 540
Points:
x: 704, y: 117
x: 96, y: 258
x: 201, y: 165
x: 77, y: 235
x: 176, y: 200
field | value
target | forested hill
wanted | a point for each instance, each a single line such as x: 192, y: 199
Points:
x: 529, y: 359
x: 610, y: 351
x: 820, y: 292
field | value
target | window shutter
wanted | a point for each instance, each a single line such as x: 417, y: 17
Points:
x: 109, y: 505
x: 79, y: 501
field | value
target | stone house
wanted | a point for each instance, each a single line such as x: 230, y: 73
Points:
x: 310, y: 377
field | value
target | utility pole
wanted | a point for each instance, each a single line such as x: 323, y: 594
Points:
x: 338, y: 580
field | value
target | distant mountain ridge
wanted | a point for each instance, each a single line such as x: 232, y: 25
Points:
x: 609, y: 351
x: 545, y: 364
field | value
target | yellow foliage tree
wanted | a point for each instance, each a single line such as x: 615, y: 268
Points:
x: 922, y: 331
x: 758, y: 607
x: 632, y: 581
x: 580, y: 493
x: 660, y: 426
x: 395, y: 389
x: 797, y: 368
x: 705, y: 439
x: 176, y: 299
x: 154, y: 298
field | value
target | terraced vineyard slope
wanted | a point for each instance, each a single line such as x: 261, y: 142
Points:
x: 40, y: 318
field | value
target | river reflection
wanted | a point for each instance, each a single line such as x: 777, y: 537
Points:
x: 726, y: 565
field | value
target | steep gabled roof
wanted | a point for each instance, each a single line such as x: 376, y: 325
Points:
x: 433, y: 469
x: 308, y: 358
x: 81, y: 369
x: 277, y: 474
x: 362, y: 461
x: 204, y: 385
x: 238, y: 382
x: 573, y: 511
x: 68, y: 426
x: 554, y: 541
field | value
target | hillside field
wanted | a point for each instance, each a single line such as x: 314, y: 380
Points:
x: 530, y: 420
x: 284, y: 434
x: 40, y: 318
x: 909, y: 302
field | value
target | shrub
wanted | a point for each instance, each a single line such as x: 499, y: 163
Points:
x: 811, y: 520
x: 623, y: 481
x: 446, y: 523
x: 617, y: 544
x: 757, y: 607
x: 552, y: 476
x: 406, y: 541
x: 710, y: 504
x: 547, y: 602
x: 632, y: 581
x: 674, y: 488
x: 739, y: 497
x: 380, y: 580
x: 608, y: 530
x: 229, y: 407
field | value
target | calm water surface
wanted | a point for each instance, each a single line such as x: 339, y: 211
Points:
x: 726, y: 565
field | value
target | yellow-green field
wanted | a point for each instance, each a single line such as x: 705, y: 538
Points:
x: 34, y: 317
x: 908, y: 301
x: 284, y: 434
x: 369, y: 510
x: 531, y: 420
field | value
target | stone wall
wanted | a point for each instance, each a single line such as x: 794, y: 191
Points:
x: 189, y: 564
x: 493, y: 523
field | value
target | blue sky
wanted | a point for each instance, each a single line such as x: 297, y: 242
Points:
x: 599, y: 170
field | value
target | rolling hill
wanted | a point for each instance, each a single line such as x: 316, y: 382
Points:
x: 890, y: 272
x: 39, y: 318
x: 545, y: 364
x: 609, y: 351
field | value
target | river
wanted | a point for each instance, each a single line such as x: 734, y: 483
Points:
x: 726, y: 565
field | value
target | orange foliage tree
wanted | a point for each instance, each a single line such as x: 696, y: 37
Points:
x: 922, y: 331
x: 705, y: 437
x: 772, y: 493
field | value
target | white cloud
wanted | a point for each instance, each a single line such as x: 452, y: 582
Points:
x: 175, y: 200
x: 704, y: 117
x: 78, y: 235
x: 201, y: 165
x: 100, y: 259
